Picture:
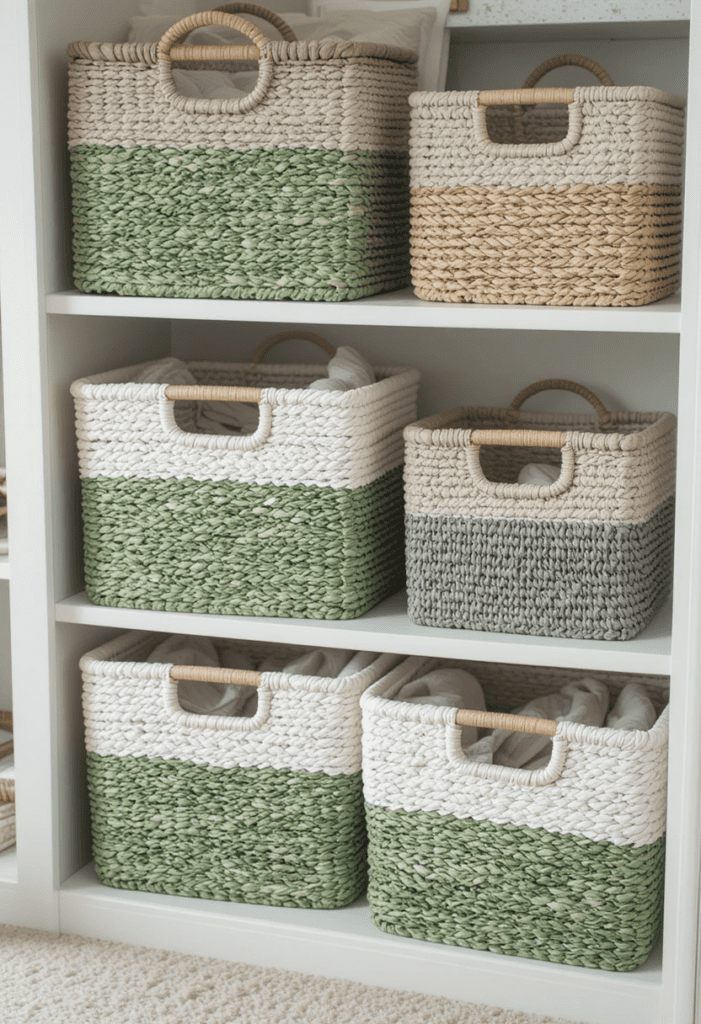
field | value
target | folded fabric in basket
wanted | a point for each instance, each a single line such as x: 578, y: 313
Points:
x: 542, y: 474
x: 446, y: 687
x: 347, y: 369
x: 203, y: 698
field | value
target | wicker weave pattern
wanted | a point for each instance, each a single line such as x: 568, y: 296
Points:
x: 514, y: 890
x: 326, y: 439
x: 624, y: 474
x: 601, y: 784
x: 578, y: 579
x: 575, y: 205
x: 8, y: 834
x: 281, y: 838
x: 302, y: 723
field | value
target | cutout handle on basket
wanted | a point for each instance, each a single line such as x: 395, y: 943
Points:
x: 209, y: 674
x: 277, y: 339
x: 168, y: 52
x: 557, y: 384
x: 512, y: 723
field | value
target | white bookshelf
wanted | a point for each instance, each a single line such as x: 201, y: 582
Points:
x: 644, y: 358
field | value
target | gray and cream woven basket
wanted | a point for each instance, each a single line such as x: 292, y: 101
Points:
x: 588, y: 557
x: 267, y: 809
x: 298, y: 190
x: 301, y: 519
x: 563, y: 864
x: 560, y: 197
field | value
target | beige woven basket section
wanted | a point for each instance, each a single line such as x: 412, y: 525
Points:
x: 561, y: 197
x: 7, y: 786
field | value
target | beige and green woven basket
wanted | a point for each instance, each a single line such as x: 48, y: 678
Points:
x: 560, y: 197
x: 563, y: 864
x: 588, y: 556
x: 297, y: 190
x: 265, y: 809
x: 301, y: 519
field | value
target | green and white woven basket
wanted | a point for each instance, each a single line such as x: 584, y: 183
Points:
x: 588, y: 557
x: 302, y: 519
x: 255, y: 810
x: 298, y: 190
x: 563, y: 864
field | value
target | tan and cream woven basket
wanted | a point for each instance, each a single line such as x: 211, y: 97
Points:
x: 587, y: 557
x: 7, y: 785
x: 559, y: 197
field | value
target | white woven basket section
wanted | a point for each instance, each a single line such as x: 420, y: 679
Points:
x: 302, y: 723
x: 628, y: 136
x: 327, y: 439
x: 617, y: 475
x: 601, y: 784
x: 319, y: 101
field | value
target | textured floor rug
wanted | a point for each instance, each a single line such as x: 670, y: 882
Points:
x: 49, y: 979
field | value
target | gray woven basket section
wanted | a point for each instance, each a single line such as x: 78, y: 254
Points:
x: 587, y: 580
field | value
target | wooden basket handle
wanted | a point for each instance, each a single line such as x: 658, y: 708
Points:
x: 206, y: 674
x: 567, y: 60
x: 276, y: 339
x: 206, y: 393
x: 512, y: 723
x: 261, y: 12
x: 169, y: 52
x: 556, y: 384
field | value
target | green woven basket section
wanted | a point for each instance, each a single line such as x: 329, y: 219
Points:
x: 200, y: 546
x: 255, y: 224
x: 514, y: 890
x: 249, y: 835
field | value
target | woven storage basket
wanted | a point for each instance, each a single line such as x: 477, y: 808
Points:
x: 7, y: 786
x: 517, y: 198
x: 562, y: 864
x: 299, y: 190
x: 303, y: 518
x: 589, y: 557
x: 256, y: 810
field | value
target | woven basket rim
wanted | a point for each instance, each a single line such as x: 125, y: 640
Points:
x: 582, y: 94
x: 279, y: 51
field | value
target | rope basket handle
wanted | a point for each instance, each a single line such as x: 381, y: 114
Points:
x: 555, y: 384
x: 564, y: 60
x: 205, y: 674
x: 169, y: 52
x: 276, y: 339
x: 261, y: 12
x: 512, y: 723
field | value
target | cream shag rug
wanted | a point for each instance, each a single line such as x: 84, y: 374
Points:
x: 50, y: 979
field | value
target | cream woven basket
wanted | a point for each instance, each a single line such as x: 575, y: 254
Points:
x: 266, y: 809
x: 302, y: 519
x: 297, y: 190
x: 588, y: 557
x: 562, y: 864
x: 560, y: 197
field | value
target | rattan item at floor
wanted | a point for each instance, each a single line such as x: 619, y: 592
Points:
x: 265, y: 809
x: 587, y: 557
x: 302, y: 519
x: 297, y: 190
x: 559, y: 197
x: 565, y: 863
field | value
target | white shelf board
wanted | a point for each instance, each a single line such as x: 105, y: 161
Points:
x: 4, y: 567
x: 602, y: 19
x: 8, y: 867
x: 394, y: 309
x: 388, y: 629
x: 345, y: 944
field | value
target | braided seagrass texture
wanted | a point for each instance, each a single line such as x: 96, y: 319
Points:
x: 514, y: 890
x: 605, y: 785
x: 265, y: 809
x: 575, y: 205
x: 299, y: 190
x: 250, y: 835
x: 564, y: 863
x: 303, y: 518
x: 543, y: 577
x: 588, y: 557
x: 8, y: 833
